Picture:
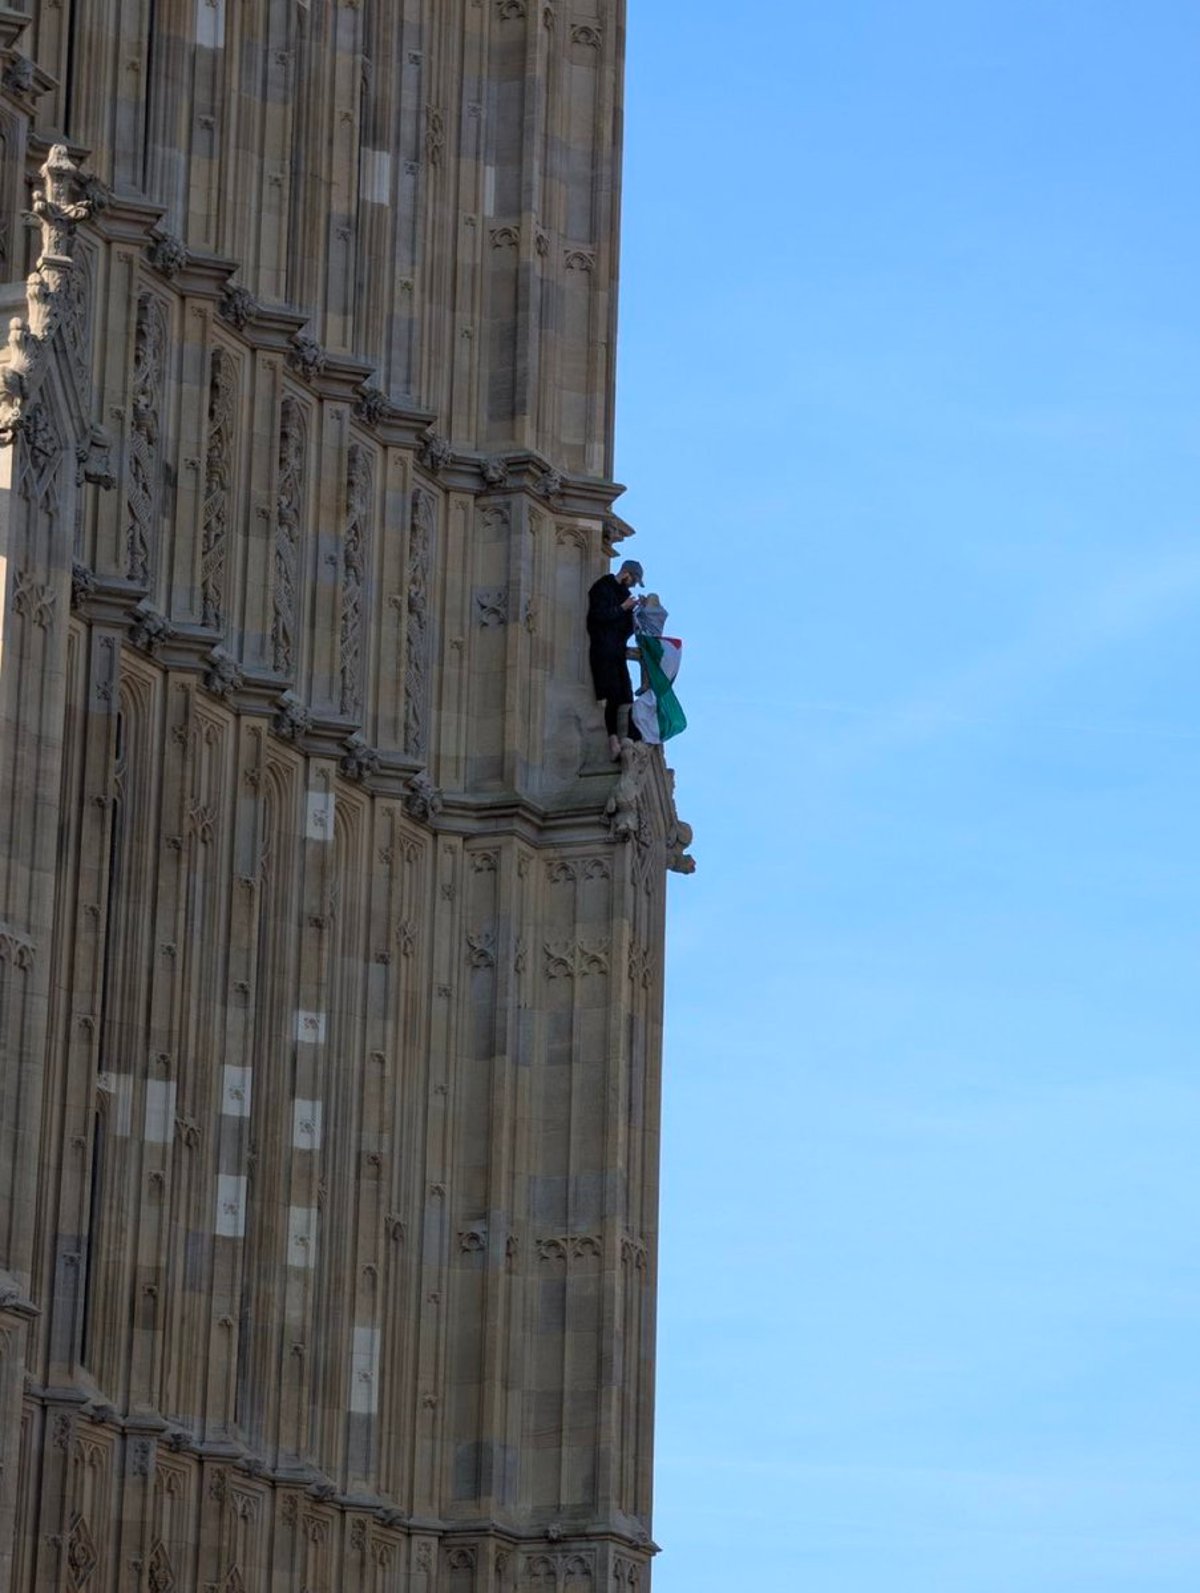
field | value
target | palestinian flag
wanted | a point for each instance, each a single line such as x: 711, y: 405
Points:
x: 656, y: 710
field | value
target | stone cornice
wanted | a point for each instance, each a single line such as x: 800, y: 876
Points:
x: 563, y: 1535
x: 123, y: 607
x: 13, y: 1300
x: 12, y: 25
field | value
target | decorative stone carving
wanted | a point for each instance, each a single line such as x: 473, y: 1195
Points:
x: 148, y: 629
x: 291, y: 718
x: 491, y: 605
x: 358, y: 760
x: 570, y: 1247
x: 435, y: 135
x: 168, y: 255
x: 423, y: 800
x: 145, y: 468
x: 355, y: 557
x: 218, y: 472
x: 34, y: 600
x: 372, y: 405
x: 639, y: 966
x: 481, y: 948
x: 222, y: 674
x: 82, y: 1556
x: 64, y: 199
x: 549, y: 485
x: 18, y: 75
x: 289, y: 513
x: 679, y: 838
x: 622, y: 807
x: 16, y: 951
x: 633, y: 1253
x: 77, y: 319
x: 93, y: 457
x: 306, y: 356
x: 417, y: 635
x: 435, y: 451
x: 568, y: 870
x: 238, y: 306
x: 495, y: 471
x: 83, y: 584
x: 578, y: 959
x: 160, y: 1573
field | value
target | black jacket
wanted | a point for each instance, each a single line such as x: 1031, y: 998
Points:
x: 609, y: 628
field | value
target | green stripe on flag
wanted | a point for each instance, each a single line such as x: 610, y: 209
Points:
x: 671, y: 717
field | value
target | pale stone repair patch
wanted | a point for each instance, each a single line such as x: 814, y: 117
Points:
x: 364, y: 1371
x: 306, y: 1124
x: 375, y: 176
x: 310, y: 1028
x: 302, y: 1236
x: 231, y: 1206
x: 210, y: 24
x: 319, y: 822
x: 235, y: 1094
x: 159, y: 1122
x: 120, y: 1112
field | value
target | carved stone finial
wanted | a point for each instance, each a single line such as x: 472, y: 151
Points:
x: 65, y: 198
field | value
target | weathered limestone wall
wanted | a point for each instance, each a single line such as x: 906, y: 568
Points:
x: 330, y: 947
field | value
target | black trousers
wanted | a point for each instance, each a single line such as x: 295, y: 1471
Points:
x: 610, y: 677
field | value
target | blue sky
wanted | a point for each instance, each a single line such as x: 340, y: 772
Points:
x: 910, y: 417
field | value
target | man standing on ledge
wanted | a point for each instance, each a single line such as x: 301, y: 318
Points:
x: 610, y: 625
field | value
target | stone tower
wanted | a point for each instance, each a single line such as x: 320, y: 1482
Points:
x: 330, y: 943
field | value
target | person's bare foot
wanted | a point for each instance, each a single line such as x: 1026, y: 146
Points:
x: 614, y: 748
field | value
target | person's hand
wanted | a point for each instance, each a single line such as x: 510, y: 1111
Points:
x: 630, y: 602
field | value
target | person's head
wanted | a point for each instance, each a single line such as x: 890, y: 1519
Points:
x: 631, y: 573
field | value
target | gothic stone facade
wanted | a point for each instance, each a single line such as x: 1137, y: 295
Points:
x: 330, y: 945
